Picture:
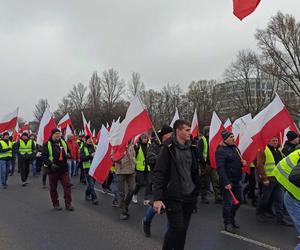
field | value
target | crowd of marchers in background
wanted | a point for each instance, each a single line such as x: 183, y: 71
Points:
x: 172, y: 169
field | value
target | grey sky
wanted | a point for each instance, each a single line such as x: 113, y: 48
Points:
x: 46, y: 46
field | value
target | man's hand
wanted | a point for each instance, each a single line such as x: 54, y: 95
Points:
x: 228, y: 186
x: 244, y: 163
x: 158, y: 206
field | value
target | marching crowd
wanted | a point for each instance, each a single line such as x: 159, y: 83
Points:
x: 174, y: 170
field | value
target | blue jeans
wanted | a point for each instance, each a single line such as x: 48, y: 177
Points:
x: 4, y: 169
x: 293, y: 207
x: 72, y: 168
x: 150, y: 213
x: 13, y: 165
x: 229, y: 209
x: 114, y: 188
x: 90, y: 190
x: 33, y: 167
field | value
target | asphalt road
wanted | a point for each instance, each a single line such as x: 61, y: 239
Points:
x: 27, y: 221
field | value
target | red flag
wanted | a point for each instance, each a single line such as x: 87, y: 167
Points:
x: 195, y: 125
x: 16, y: 135
x: 86, y: 127
x: 136, y: 121
x: 24, y: 128
x: 46, y: 125
x: 215, y: 138
x: 243, y: 8
x: 65, y: 122
x: 228, y: 125
x: 101, y: 163
x: 9, y: 121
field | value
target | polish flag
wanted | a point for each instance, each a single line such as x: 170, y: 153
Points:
x: 136, y: 121
x: 86, y: 126
x: 263, y: 127
x: 239, y: 126
x: 68, y: 132
x: 65, y: 122
x: 228, y: 125
x: 46, y: 125
x: 243, y: 8
x: 9, y: 121
x: 24, y: 128
x: 175, y: 118
x: 16, y: 135
x: 101, y: 163
x: 215, y: 138
x: 195, y: 125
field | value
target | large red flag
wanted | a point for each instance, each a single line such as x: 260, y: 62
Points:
x: 101, y: 163
x: 9, y: 121
x: 24, y: 128
x: 46, y: 125
x: 243, y: 8
x: 136, y: 121
x: 215, y: 138
x: 65, y: 122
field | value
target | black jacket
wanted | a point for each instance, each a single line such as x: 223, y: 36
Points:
x: 166, y: 179
x: 62, y: 165
x: 229, y: 165
x: 289, y: 148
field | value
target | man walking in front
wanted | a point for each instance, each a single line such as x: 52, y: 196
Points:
x: 55, y: 153
x: 176, y: 184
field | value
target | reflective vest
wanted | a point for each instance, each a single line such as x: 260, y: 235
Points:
x: 5, y: 145
x: 51, y: 151
x: 80, y: 144
x: 205, y: 147
x: 140, y: 161
x: 270, y: 162
x: 113, y: 169
x: 86, y: 164
x: 25, y: 147
x: 283, y: 170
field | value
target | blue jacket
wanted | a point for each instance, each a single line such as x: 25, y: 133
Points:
x: 229, y: 165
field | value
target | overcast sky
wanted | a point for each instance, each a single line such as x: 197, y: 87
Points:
x: 47, y: 46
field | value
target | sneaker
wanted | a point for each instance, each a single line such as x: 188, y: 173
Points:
x: 88, y: 198
x: 23, y: 184
x: 57, y: 208
x: 283, y: 222
x: 134, y: 199
x: 230, y: 229
x: 124, y: 216
x: 236, y: 226
x: 146, y: 202
x: 70, y: 208
x: 115, y: 204
x: 147, y: 229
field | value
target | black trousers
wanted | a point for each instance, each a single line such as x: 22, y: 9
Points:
x: 142, y: 179
x: 24, y: 166
x: 179, y: 215
x: 229, y: 209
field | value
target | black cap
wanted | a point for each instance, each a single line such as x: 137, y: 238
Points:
x: 166, y: 129
x: 291, y: 135
x: 5, y: 133
x: 225, y: 134
x: 24, y: 134
x: 55, y: 130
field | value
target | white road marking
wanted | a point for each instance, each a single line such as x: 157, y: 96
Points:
x: 255, y: 242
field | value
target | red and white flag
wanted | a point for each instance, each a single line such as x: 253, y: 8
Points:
x: 175, y: 118
x: 136, y: 121
x: 9, y: 121
x: 24, y: 128
x: 68, y: 132
x: 46, y: 125
x: 228, y: 125
x: 243, y: 8
x: 16, y: 135
x: 239, y: 126
x: 195, y: 125
x: 215, y: 138
x: 65, y: 122
x: 86, y: 127
x: 101, y: 163
x: 263, y: 127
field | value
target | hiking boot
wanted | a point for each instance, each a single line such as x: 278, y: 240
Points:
x: 147, y: 229
x: 124, y: 216
x: 134, y: 199
x: 236, y: 226
x: 283, y: 222
x: 229, y: 228
x: 70, y: 208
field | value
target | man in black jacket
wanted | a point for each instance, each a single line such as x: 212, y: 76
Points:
x: 176, y: 184
x: 291, y: 144
x: 55, y: 155
x: 229, y: 167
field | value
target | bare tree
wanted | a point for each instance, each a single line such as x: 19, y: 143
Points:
x: 171, y: 100
x: 40, y: 108
x: 112, y: 87
x: 77, y: 96
x: 135, y: 85
x: 94, y: 95
x: 280, y: 42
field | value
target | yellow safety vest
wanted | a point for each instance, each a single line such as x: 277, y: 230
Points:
x: 51, y: 151
x: 205, y: 147
x: 283, y: 170
x: 140, y: 161
x: 6, y: 146
x: 86, y: 164
x: 270, y: 162
x: 25, y: 148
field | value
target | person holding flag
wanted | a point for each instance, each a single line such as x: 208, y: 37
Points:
x: 229, y: 166
x: 5, y: 158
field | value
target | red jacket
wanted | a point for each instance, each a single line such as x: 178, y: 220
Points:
x: 74, y: 150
